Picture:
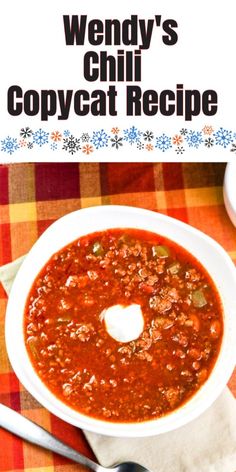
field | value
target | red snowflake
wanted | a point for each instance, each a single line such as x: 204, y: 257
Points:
x: 87, y: 149
x: 177, y: 140
x: 208, y: 130
x: 56, y: 136
x: 115, y: 130
x: 23, y: 143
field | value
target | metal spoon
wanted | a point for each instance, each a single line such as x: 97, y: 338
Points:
x: 31, y: 432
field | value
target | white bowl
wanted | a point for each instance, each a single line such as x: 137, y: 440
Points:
x: 85, y: 221
x: 230, y: 191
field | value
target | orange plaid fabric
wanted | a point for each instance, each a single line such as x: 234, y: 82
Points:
x: 32, y: 196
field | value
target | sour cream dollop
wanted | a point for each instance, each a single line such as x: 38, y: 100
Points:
x: 124, y: 323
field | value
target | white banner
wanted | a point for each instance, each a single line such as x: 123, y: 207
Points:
x: 103, y: 81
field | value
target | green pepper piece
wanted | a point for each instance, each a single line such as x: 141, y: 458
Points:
x: 98, y: 249
x: 160, y: 251
x: 198, y: 299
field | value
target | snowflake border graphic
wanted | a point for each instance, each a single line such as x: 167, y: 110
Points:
x: 40, y: 137
x: 132, y: 135
x: 223, y: 137
x: 85, y: 138
x: 163, y: 142
x: 71, y: 144
x: 194, y: 139
x: 233, y: 148
x: 9, y: 145
x: 116, y: 142
x: 100, y: 139
x: 26, y: 132
x: 145, y: 140
x: 148, y: 135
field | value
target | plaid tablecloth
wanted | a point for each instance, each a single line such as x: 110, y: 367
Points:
x: 32, y: 196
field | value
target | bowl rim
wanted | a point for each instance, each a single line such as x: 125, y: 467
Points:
x: 229, y: 191
x: 180, y: 416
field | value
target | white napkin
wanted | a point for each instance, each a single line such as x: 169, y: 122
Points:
x: 207, y: 444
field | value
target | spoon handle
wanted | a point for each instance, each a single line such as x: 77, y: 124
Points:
x: 26, y: 429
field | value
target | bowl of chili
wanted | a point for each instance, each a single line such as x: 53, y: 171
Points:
x: 121, y: 321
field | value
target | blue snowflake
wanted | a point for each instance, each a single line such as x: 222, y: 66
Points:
x: 53, y: 146
x: 132, y: 135
x: 223, y: 137
x: 163, y: 142
x: 9, y: 145
x: 66, y: 133
x: 100, y: 139
x: 40, y: 137
x: 194, y: 138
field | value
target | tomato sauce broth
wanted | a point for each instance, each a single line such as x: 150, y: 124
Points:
x: 75, y: 357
